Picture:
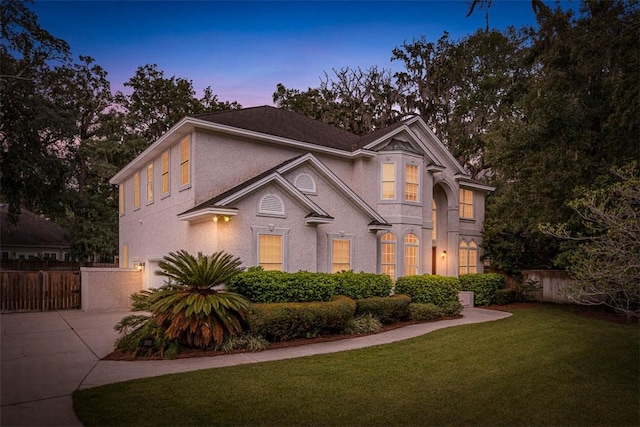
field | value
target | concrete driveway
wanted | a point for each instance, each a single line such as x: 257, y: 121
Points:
x: 47, y: 356
x: 44, y: 358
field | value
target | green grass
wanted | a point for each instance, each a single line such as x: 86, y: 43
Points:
x: 542, y: 366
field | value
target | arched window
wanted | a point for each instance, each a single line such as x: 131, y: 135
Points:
x: 388, y: 251
x: 305, y: 183
x: 271, y: 205
x: 468, y: 258
x: 411, y: 254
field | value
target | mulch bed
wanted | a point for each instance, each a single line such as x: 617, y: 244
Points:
x: 593, y: 312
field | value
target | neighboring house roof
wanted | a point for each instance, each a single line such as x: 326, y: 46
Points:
x: 223, y: 203
x: 31, y: 230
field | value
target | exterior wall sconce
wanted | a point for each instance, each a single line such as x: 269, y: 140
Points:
x: 225, y: 218
x: 443, y: 254
x: 138, y: 265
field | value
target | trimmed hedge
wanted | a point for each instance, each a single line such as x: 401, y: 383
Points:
x: 484, y: 286
x: 277, y: 286
x: 387, y: 309
x: 362, y: 285
x: 429, y: 311
x: 425, y: 289
x: 285, y: 321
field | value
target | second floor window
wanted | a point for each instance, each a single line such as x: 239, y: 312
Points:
x: 388, y: 181
x: 121, y: 198
x: 185, y: 156
x: 165, y: 172
x: 466, y: 204
x: 412, y: 183
x: 136, y: 190
x: 150, y: 183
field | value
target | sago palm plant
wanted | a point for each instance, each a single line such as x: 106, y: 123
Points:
x: 191, y: 306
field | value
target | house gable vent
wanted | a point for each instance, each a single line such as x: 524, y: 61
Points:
x: 305, y: 183
x: 271, y: 205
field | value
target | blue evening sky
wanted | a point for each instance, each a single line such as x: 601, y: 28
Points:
x: 242, y: 49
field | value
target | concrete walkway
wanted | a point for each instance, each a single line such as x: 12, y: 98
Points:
x: 46, y: 356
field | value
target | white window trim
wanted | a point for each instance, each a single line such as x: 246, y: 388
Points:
x: 395, y: 182
x: 404, y: 252
x: 153, y: 186
x: 137, y: 188
x: 404, y: 181
x: 274, y: 231
x: 190, y: 161
x: 472, y: 218
x: 168, y: 193
x: 340, y: 236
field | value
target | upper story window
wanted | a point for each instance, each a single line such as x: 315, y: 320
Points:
x: 412, y: 183
x: 388, y: 255
x: 411, y: 257
x: 466, y: 204
x: 185, y: 157
x: 305, y: 183
x: 271, y: 205
x: 468, y: 253
x: 121, y: 198
x: 165, y: 173
x: 388, y: 181
x: 150, y: 182
x: 136, y: 190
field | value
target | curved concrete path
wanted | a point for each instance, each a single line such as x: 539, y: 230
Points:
x: 47, y: 356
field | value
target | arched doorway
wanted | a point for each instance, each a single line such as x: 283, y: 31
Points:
x: 440, y: 232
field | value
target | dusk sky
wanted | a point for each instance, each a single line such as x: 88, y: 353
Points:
x: 244, y: 49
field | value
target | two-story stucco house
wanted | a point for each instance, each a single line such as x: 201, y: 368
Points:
x: 286, y: 192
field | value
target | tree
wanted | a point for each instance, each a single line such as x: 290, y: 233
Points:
x: 156, y: 103
x: 356, y: 100
x: 605, y: 260
x: 30, y: 122
x: 577, y: 118
x: 463, y: 89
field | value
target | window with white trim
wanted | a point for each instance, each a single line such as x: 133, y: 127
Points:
x: 411, y: 254
x: 388, y: 181
x: 165, y: 173
x: 271, y: 205
x: 185, y: 161
x: 466, y: 204
x: 468, y: 254
x: 121, y: 198
x: 388, y: 255
x: 150, y: 182
x: 341, y: 255
x: 124, y: 259
x: 136, y: 190
x: 412, y: 183
x: 305, y: 183
x: 270, y: 251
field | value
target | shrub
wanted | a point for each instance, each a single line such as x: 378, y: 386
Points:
x: 452, y: 309
x: 438, y: 290
x: 362, y: 285
x: 285, y: 321
x: 142, y: 336
x: 505, y: 296
x: 365, y: 324
x: 245, y: 341
x: 428, y: 311
x: 387, y: 309
x: 278, y: 286
x: 484, y: 286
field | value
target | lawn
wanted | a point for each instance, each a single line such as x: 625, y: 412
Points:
x: 542, y: 366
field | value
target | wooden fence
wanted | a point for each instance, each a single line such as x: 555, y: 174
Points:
x: 39, y: 291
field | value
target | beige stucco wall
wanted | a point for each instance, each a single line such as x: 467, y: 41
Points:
x: 108, y: 289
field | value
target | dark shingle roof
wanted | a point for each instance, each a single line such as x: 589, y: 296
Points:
x: 285, y: 124
x: 31, y: 230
